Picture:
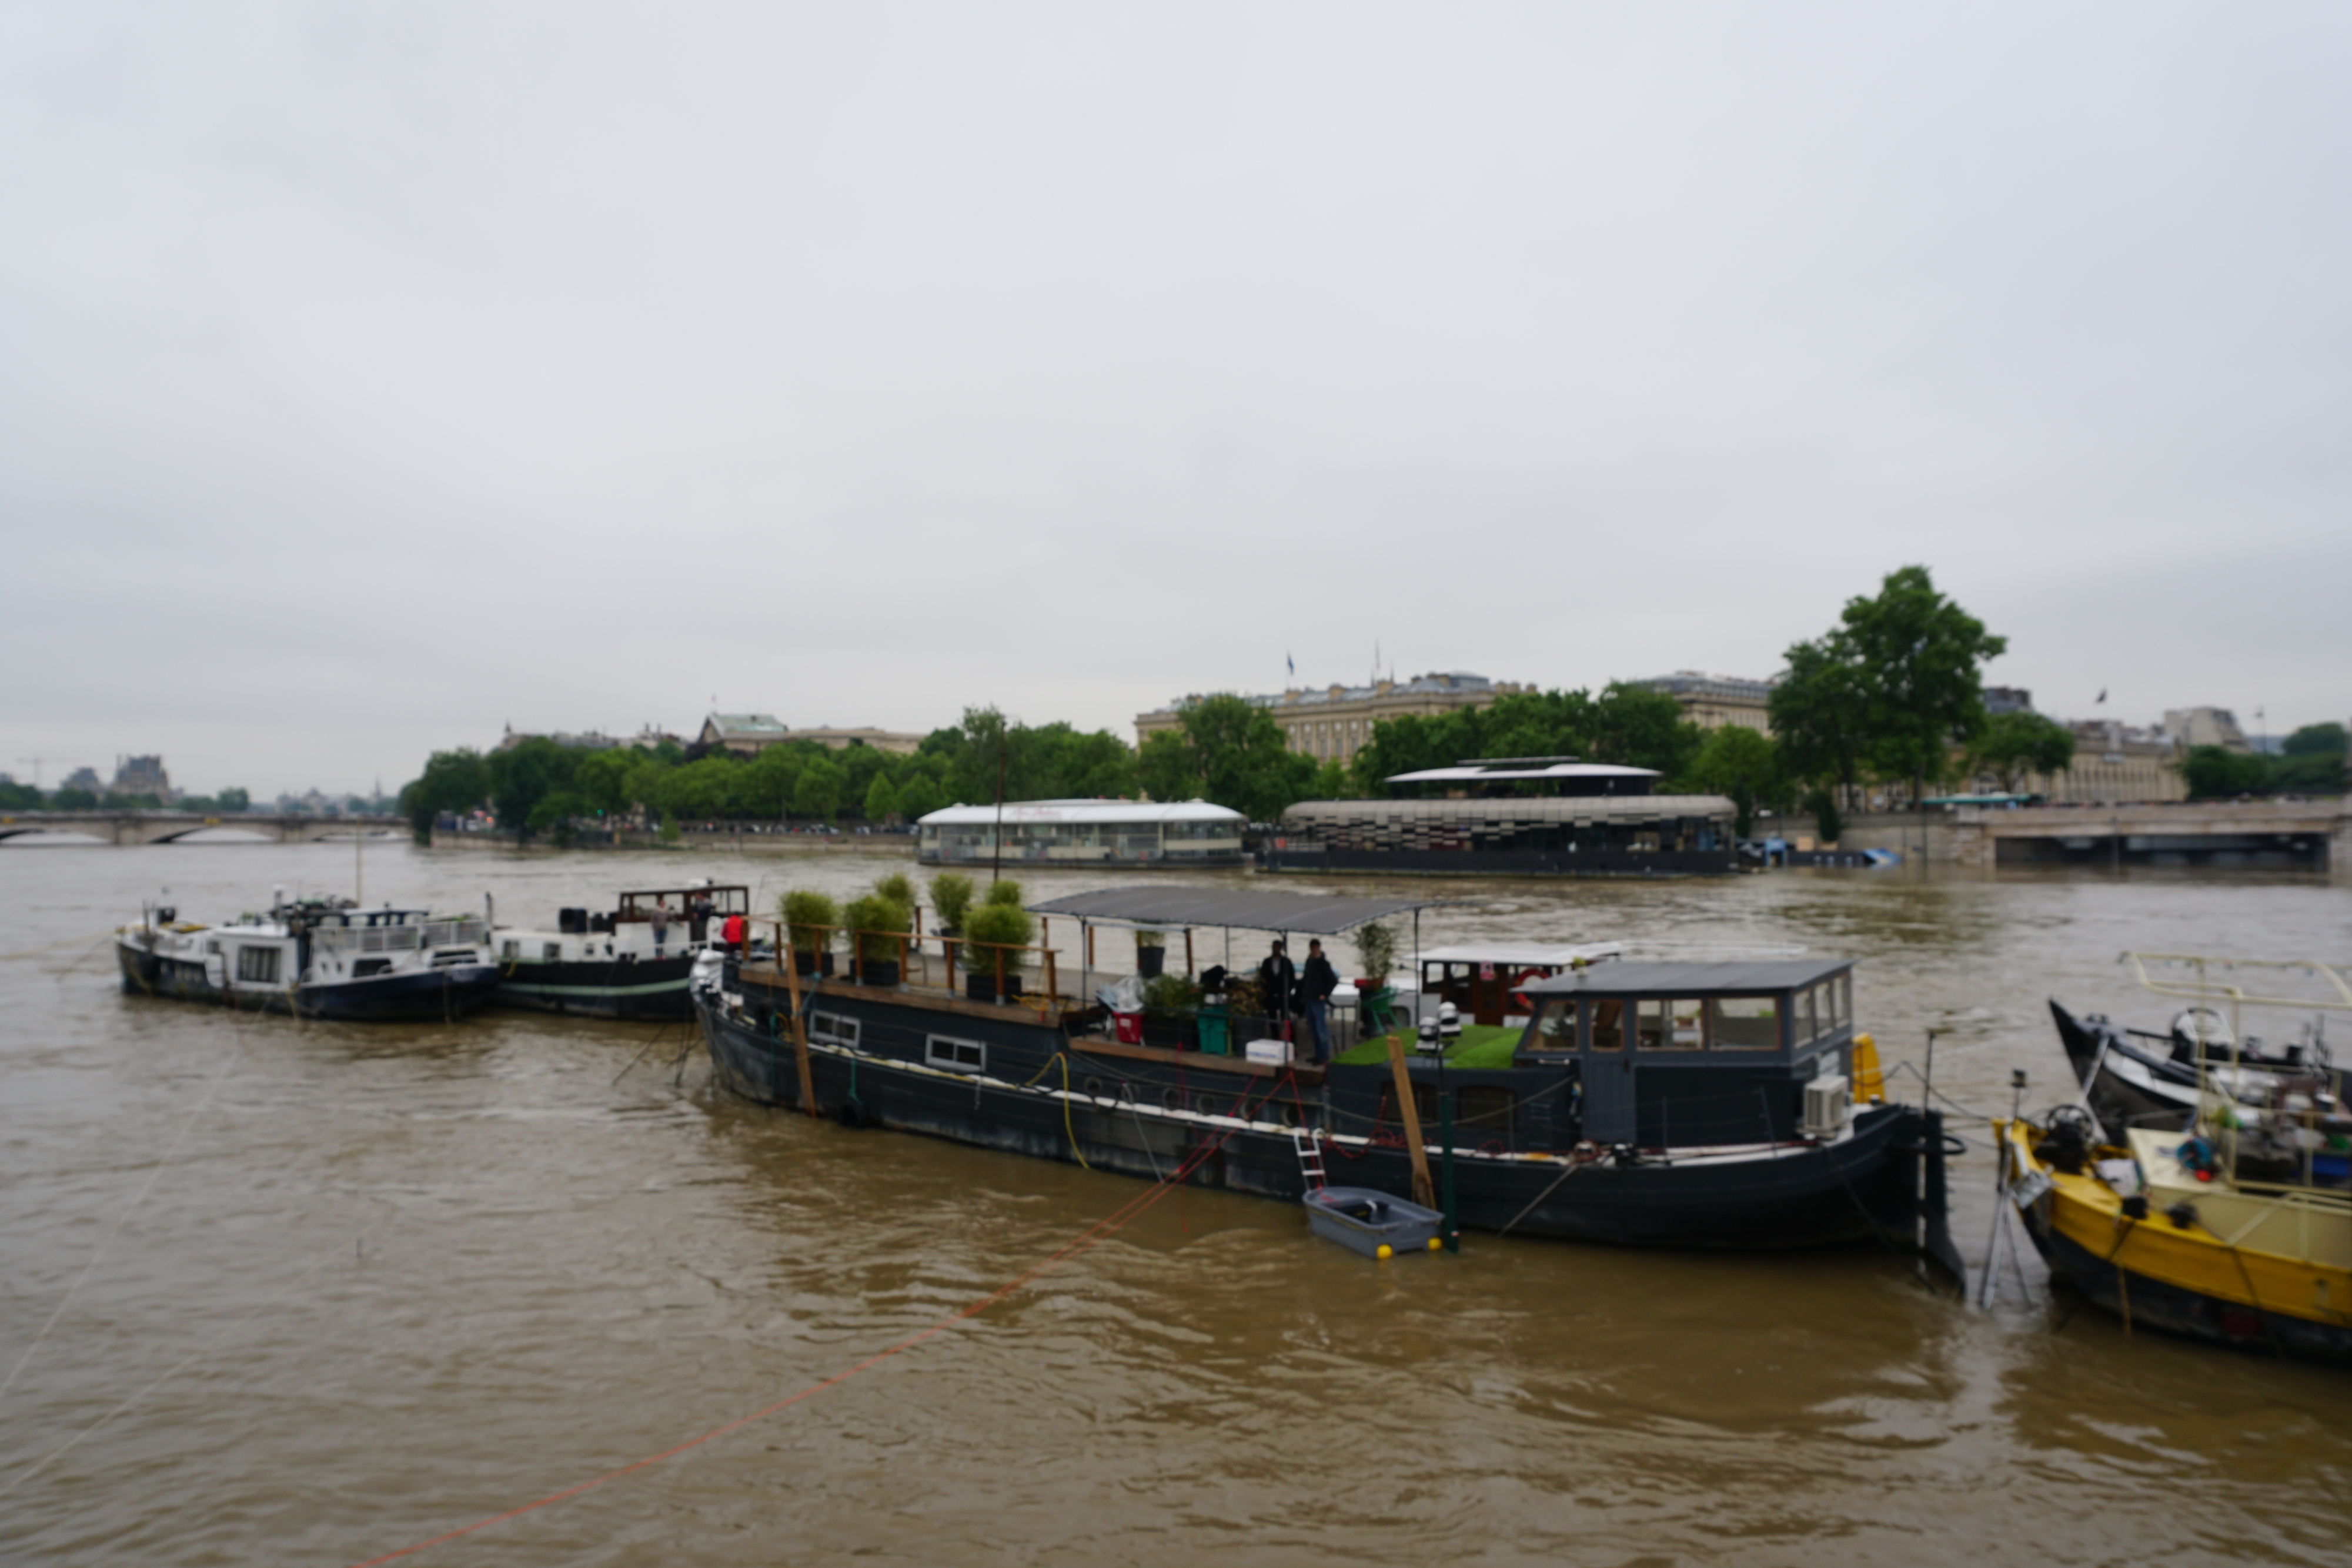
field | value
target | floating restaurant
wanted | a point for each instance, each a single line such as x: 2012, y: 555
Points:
x: 1528, y: 815
x: 1189, y: 833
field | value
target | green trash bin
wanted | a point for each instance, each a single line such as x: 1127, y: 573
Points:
x: 1216, y: 1033
x: 1378, y: 1011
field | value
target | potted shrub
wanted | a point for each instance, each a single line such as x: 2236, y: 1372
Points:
x: 1150, y: 952
x: 988, y: 931
x: 1170, y: 1012
x: 898, y: 887
x: 1005, y: 891
x: 811, y: 919
x: 1245, y: 998
x: 1376, y: 945
x: 876, y: 922
x: 951, y: 896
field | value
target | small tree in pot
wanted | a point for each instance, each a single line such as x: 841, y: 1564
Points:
x: 989, y: 931
x: 1172, y: 1005
x: 810, y: 918
x: 1150, y: 952
x: 877, y: 922
x: 951, y: 896
x: 1376, y: 945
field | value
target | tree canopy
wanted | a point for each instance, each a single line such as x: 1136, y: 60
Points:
x: 1631, y: 724
x: 1229, y: 751
x: 2014, y: 745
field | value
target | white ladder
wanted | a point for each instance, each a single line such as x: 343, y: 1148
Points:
x: 1311, y: 1157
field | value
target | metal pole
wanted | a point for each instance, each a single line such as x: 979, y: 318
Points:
x: 1445, y: 1154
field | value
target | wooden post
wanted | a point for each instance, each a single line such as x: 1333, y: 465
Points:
x: 1000, y: 975
x: 1188, y: 951
x: 1049, y: 979
x: 1422, y: 1193
x: 1091, y: 946
x: 800, y: 1024
x: 904, y: 977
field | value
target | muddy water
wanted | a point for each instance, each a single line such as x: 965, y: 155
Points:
x: 328, y: 1292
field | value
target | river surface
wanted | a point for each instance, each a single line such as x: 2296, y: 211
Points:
x: 281, y: 1293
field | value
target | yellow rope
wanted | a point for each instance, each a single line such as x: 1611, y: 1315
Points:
x: 1063, y: 1057
x: 53, y: 947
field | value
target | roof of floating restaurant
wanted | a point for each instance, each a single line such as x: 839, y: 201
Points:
x: 1471, y: 772
x: 1309, y: 913
x: 1019, y: 812
x: 1689, y: 978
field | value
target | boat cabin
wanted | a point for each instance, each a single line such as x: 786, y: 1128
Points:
x: 1483, y: 980
x: 697, y: 906
x: 1678, y: 1054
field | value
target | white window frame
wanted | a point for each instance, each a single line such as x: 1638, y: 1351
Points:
x: 838, y: 1029
x: 948, y: 1050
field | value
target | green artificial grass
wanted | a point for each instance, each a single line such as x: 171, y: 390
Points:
x: 1484, y: 1046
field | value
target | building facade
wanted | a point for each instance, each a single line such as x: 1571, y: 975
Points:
x: 1334, y: 724
x: 1712, y: 702
x: 749, y: 734
x: 2193, y: 726
x: 142, y: 775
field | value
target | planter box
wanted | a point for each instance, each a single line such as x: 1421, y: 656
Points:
x: 878, y: 971
x: 1149, y: 961
x: 1171, y: 1033
x: 982, y: 988
x: 813, y: 963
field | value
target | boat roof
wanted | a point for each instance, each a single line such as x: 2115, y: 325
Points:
x: 1687, y: 979
x: 1161, y: 907
x: 1549, y: 954
x: 1466, y: 771
x: 1081, y: 812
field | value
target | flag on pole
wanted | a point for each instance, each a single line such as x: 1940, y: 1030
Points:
x: 2103, y: 694
x: 1292, y: 663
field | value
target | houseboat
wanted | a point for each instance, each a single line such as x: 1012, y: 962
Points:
x: 317, y: 958
x: 1535, y: 816
x: 1178, y: 834
x: 632, y: 961
x: 1714, y: 1105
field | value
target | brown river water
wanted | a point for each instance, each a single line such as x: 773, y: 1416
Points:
x: 274, y: 1292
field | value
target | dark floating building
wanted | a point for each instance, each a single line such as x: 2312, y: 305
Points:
x: 1524, y: 815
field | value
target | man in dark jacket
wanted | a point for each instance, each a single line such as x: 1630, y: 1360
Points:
x: 1316, y: 984
x: 1277, y: 979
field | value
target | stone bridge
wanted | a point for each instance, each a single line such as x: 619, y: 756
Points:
x: 165, y: 827
x: 2316, y: 834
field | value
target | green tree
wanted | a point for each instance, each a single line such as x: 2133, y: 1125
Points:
x: 881, y: 800
x: 1641, y: 727
x: 234, y: 798
x: 602, y: 779
x: 919, y: 797
x: 2315, y: 740
x: 1921, y: 656
x: 454, y: 781
x: 1229, y: 751
x: 523, y: 776
x: 71, y: 800
x: 15, y: 796
x: 2014, y: 745
x: 1329, y: 783
x: 2215, y: 773
x: 2311, y: 762
x: 818, y: 792
x: 705, y: 787
x: 1744, y: 765
x: 555, y: 813
x: 1818, y: 717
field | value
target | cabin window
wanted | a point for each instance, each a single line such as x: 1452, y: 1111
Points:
x: 1660, y: 1025
x: 1808, y: 1027
x: 550, y: 952
x: 837, y: 1027
x: 939, y: 1051
x: 1608, y: 1026
x: 1839, y: 993
x: 511, y: 951
x: 1483, y: 1113
x: 258, y: 965
x: 1746, y: 1023
x: 1555, y: 1026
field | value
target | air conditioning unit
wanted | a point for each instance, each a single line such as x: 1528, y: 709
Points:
x: 1828, y: 1104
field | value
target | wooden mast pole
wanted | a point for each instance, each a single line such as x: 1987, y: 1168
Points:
x: 800, y: 1024
x: 1423, y: 1193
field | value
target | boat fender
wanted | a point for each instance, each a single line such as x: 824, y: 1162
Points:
x: 2183, y: 1214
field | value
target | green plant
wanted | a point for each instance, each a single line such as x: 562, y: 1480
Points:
x: 1147, y: 937
x: 877, y: 922
x: 991, y: 927
x: 810, y: 916
x: 1376, y: 945
x: 1245, y: 997
x: 898, y: 887
x: 1003, y: 890
x: 1172, y: 994
x: 951, y: 896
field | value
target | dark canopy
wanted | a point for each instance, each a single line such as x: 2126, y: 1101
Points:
x: 1312, y: 913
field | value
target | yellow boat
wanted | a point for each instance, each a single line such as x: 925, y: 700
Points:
x: 2237, y: 1232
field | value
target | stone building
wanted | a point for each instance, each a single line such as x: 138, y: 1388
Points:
x: 1334, y: 724
x: 1711, y: 702
x: 2195, y: 727
x: 752, y: 733
x: 142, y: 775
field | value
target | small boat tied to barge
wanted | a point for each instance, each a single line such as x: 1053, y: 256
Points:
x: 1674, y: 1104
x: 632, y: 962
x: 314, y: 957
x: 2229, y: 1222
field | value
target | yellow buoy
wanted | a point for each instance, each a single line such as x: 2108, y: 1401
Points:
x: 1434, y: 1244
x: 1385, y: 1251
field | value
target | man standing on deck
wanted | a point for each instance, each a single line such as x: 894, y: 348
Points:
x: 1316, y: 984
x: 1277, y: 978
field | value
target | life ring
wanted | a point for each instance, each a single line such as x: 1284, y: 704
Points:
x: 1533, y: 973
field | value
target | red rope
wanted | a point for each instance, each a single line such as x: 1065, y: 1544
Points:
x: 1086, y: 1241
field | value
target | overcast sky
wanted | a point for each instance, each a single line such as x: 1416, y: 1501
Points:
x: 373, y: 376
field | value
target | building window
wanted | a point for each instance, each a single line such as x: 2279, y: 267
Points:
x: 939, y: 1051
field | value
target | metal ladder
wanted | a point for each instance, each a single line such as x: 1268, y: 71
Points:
x: 1311, y: 1157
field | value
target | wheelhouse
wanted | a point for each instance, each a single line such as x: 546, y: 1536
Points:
x: 1676, y: 1054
